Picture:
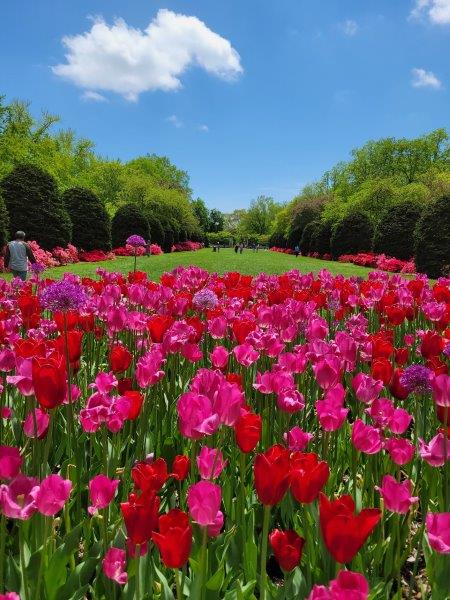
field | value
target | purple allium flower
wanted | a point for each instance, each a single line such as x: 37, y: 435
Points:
x: 63, y: 295
x: 136, y: 241
x: 205, y: 299
x: 447, y: 350
x: 416, y: 378
x: 37, y: 268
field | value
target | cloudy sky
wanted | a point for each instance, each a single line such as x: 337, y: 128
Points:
x: 249, y: 96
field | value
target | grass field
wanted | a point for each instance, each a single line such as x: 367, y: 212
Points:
x: 249, y: 262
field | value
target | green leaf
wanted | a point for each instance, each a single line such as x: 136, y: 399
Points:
x: 215, y: 582
x: 56, y: 572
x: 167, y: 592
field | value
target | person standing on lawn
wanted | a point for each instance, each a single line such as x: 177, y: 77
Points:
x: 17, y: 255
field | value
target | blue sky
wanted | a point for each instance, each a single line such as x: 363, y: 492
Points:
x: 250, y: 97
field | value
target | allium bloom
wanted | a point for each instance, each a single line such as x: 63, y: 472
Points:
x: 10, y: 462
x: 63, y: 295
x: 417, y: 379
x: 17, y: 498
x: 272, y: 470
x: 366, y: 438
x: 136, y: 241
x: 438, y: 531
x: 297, y: 439
x: 101, y: 492
x: 52, y: 494
x: 174, y: 538
x: 287, y: 547
x: 204, y: 500
x: 210, y: 463
x: 397, y: 495
x: 205, y: 299
x: 37, y: 268
x: 343, y: 531
x: 114, y: 565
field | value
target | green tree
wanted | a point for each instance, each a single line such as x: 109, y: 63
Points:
x: 4, y: 224
x: 216, y: 220
x: 35, y: 206
x: 128, y: 220
x: 432, y: 240
x: 394, y: 234
x: 202, y: 213
x: 259, y: 218
x: 91, y: 225
x: 353, y: 234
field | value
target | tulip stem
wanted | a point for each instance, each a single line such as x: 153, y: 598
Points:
x: 265, y: 533
x: 2, y: 549
x: 203, y: 562
x: 43, y: 563
x: 22, y: 564
x: 177, y: 584
x: 446, y: 462
x: 137, y: 592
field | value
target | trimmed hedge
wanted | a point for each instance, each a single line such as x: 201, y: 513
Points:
x: 394, y: 234
x: 432, y: 239
x: 168, y: 240
x: 351, y: 235
x: 35, y: 206
x: 91, y: 225
x: 307, y: 234
x: 321, y: 237
x: 4, y: 224
x: 129, y: 220
x: 156, y: 230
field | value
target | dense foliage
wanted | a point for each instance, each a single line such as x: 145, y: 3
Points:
x: 352, y: 234
x: 307, y: 234
x: 395, y: 229
x: 4, y: 223
x: 35, y: 206
x: 129, y: 220
x: 91, y: 224
x: 321, y: 238
x: 432, y: 239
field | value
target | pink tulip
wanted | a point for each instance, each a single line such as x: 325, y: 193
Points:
x: 294, y: 362
x: 216, y: 527
x: 203, y: 501
x: 191, y: 352
x: 330, y: 411
x: 101, y: 492
x: 327, y: 371
x: 349, y: 585
x: 37, y: 426
x: 397, y: 495
x: 210, y: 463
x: 381, y: 411
x: 440, y: 386
x: 319, y: 592
x: 104, y: 382
x: 348, y: 349
x: 23, y: 377
x: 116, y: 318
x: 433, y: 452
x: 9, y: 596
x: 438, y: 530
x: 400, y: 450
x: 52, y: 494
x: 245, y: 354
x: 217, y: 327
x: 366, y: 438
x: 7, y: 360
x: 196, y: 416
x: 273, y: 382
x: 114, y: 565
x: 297, y: 439
x: 290, y: 401
x: 219, y: 357
x: 399, y: 421
x: 10, y: 462
x: 317, y: 329
x: 17, y: 499
x: 366, y: 388
x: 148, y: 368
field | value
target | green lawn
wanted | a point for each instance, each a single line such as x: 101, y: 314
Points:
x: 249, y: 262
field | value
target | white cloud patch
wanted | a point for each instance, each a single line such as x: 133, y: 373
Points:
x: 349, y: 27
x: 203, y: 128
x: 90, y: 96
x: 129, y: 61
x: 175, y: 121
x: 437, y: 11
x: 425, y: 79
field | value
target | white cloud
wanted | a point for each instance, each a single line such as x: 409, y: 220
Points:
x: 203, y: 128
x: 175, y: 121
x: 422, y: 78
x: 91, y: 96
x: 349, y: 27
x: 437, y: 11
x: 129, y: 61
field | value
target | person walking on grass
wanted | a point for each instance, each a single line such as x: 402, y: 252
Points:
x: 17, y: 255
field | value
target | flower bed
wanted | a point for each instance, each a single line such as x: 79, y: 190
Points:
x: 187, y: 247
x: 277, y: 436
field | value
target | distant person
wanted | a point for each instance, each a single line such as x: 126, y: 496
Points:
x: 17, y: 255
x: 241, y: 248
x: 236, y: 248
x: 148, y: 249
x: 296, y: 251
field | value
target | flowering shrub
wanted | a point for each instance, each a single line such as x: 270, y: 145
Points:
x: 66, y: 256
x: 129, y: 250
x: 96, y: 256
x: 286, y: 434
x: 187, y: 246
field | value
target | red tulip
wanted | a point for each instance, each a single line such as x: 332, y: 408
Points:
x: 248, y: 431
x: 49, y: 380
x: 136, y: 403
x: 174, y: 538
x: 241, y: 329
x: 343, y: 531
x: 432, y: 344
x: 150, y: 476
x: 180, y: 467
x: 158, y: 325
x: 74, y: 339
x: 125, y: 384
x: 287, y: 547
x: 119, y: 358
x: 140, y: 514
x: 308, y: 476
x: 401, y: 356
x: 382, y: 369
x: 271, y: 470
x: 396, y: 389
